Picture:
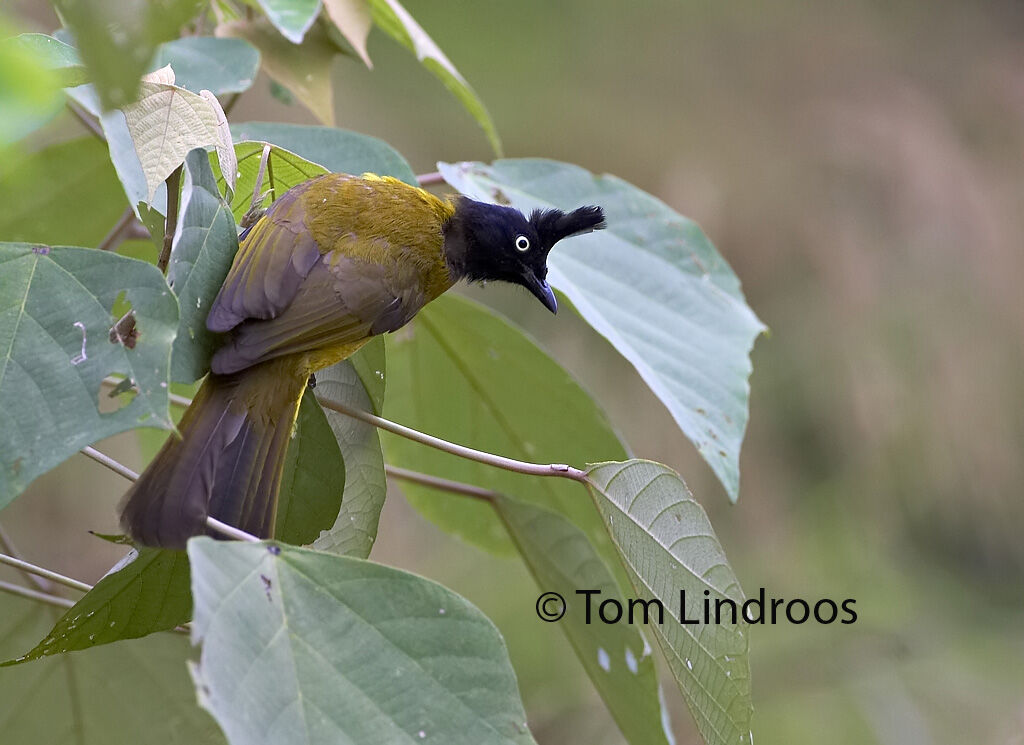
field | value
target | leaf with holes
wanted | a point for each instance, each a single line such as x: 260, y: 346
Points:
x: 615, y: 656
x: 357, y: 382
x: 654, y: 286
x: 669, y: 546
x: 147, y: 591
x: 335, y: 649
x: 55, y: 320
x: 205, y: 242
x: 395, y: 20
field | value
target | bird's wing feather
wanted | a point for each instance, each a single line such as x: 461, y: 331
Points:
x: 274, y: 258
x: 342, y: 300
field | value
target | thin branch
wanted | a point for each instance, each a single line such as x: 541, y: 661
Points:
x: 8, y: 545
x: 87, y: 121
x: 117, y: 233
x: 498, y: 461
x: 211, y: 522
x: 110, y: 463
x: 24, y: 566
x: 231, y: 532
x: 426, y: 179
x: 456, y: 487
x: 42, y: 597
x: 171, y: 223
x: 232, y: 100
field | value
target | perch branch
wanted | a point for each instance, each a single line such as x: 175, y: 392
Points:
x: 42, y: 597
x: 8, y: 545
x: 171, y: 222
x: 25, y: 566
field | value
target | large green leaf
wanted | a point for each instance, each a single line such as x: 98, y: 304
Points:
x: 313, y: 479
x: 654, y: 286
x: 356, y: 382
x: 337, y: 150
x: 314, y: 648
x: 303, y: 70
x: 125, y: 158
x: 205, y: 243
x: 87, y: 196
x: 55, y: 319
x: 669, y: 546
x: 395, y: 20
x: 462, y: 373
x: 117, y: 39
x: 615, y: 656
x: 147, y: 591
x: 31, y: 74
x: 54, y: 55
x: 284, y: 170
x: 135, y: 692
x: 207, y: 62
x: 291, y: 17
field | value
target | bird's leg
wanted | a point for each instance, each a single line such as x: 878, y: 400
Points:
x: 312, y: 381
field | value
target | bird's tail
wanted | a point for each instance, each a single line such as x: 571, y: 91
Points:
x: 227, y: 464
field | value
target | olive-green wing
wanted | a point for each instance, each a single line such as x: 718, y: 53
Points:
x: 342, y: 300
x: 273, y: 259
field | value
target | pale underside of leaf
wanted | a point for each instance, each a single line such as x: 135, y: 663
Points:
x: 353, y: 19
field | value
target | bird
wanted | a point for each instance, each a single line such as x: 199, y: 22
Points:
x: 335, y: 261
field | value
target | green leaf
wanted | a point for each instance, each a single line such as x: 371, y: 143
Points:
x: 87, y: 195
x: 168, y: 121
x: 462, y: 373
x: 335, y: 649
x: 117, y: 39
x: 137, y: 691
x: 313, y: 479
x: 337, y: 150
x: 206, y: 62
x: 55, y: 319
x: 291, y: 17
x: 29, y: 87
x: 56, y: 56
x: 205, y: 243
x: 304, y: 70
x: 615, y: 656
x: 356, y: 382
x: 126, y: 161
x: 353, y: 20
x: 669, y: 546
x: 395, y: 20
x: 146, y: 591
x: 284, y: 170
x: 654, y: 286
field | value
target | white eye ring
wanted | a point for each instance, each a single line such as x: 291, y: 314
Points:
x: 522, y: 243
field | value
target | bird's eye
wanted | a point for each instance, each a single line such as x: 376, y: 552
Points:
x: 522, y: 243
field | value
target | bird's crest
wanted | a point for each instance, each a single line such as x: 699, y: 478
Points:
x: 553, y: 225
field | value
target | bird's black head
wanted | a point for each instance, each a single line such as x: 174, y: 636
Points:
x: 490, y: 242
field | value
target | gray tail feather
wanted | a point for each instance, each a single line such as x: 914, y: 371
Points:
x: 227, y: 464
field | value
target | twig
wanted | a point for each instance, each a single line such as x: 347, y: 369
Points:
x: 42, y: 597
x: 24, y: 566
x: 110, y: 463
x: 456, y: 487
x: 426, y: 179
x: 211, y: 522
x: 117, y: 233
x: 87, y: 121
x: 498, y: 461
x: 171, y: 223
x: 232, y: 100
x: 231, y: 532
x: 8, y: 545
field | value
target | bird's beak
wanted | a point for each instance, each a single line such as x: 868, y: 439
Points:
x: 542, y: 291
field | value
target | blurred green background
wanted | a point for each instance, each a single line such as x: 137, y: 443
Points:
x: 859, y: 164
